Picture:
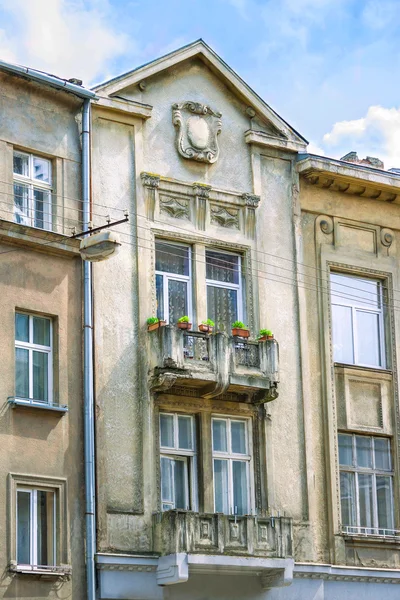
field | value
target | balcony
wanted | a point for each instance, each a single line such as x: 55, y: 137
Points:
x: 214, y: 364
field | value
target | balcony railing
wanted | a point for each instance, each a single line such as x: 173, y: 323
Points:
x: 247, y: 354
x: 370, y: 532
x: 196, y: 346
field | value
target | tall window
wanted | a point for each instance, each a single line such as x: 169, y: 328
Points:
x: 178, y: 461
x: 36, y: 527
x: 231, y: 465
x: 366, y: 484
x: 32, y: 190
x: 224, y: 294
x: 173, y: 281
x: 33, y: 358
x: 357, y: 320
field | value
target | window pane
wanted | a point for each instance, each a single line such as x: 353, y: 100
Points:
x: 42, y: 208
x: 368, y: 343
x: 23, y: 528
x: 167, y: 473
x: 365, y: 499
x: 222, y: 267
x: 180, y: 484
x: 222, y: 307
x: 21, y: 164
x: 21, y: 204
x: 21, y: 373
x: 160, y: 296
x: 41, y: 169
x: 382, y: 454
x: 240, y: 488
x: 185, y: 433
x: 40, y: 376
x: 177, y: 300
x: 21, y: 327
x: 172, y: 258
x: 41, y: 331
x: 363, y: 451
x: 347, y: 498
x: 346, y: 289
x: 221, y: 486
x: 384, y: 502
x: 342, y: 334
x: 345, y: 450
x: 167, y: 431
x: 238, y: 433
x: 219, y: 436
x: 45, y: 528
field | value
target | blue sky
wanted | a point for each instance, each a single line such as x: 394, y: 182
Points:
x: 329, y: 67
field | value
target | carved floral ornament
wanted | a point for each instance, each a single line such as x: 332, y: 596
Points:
x: 197, y: 128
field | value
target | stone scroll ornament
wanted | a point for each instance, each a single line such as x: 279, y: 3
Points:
x: 197, y: 129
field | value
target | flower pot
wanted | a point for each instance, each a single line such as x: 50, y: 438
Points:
x: 264, y: 338
x: 237, y: 332
x: 157, y: 325
x: 205, y: 328
x: 184, y: 325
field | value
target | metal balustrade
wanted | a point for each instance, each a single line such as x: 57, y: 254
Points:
x: 247, y: 354
x: 196, y: 346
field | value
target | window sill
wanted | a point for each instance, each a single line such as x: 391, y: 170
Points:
x: 43, y: 572
x: 371, y: 538
x: 19, y: 402
x: 362, y: 368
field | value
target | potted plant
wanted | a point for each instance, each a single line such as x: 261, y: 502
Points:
x: 184, y: 323
x: 265, y: 334
x: 154, y: 323
x: 206, y: 326
x: 239, y: 329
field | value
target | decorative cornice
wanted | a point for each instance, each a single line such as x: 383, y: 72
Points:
x: 201, y: 190
x: 150, y: 180
x: 251, y: 200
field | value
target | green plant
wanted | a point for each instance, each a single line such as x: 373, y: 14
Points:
x: 264, y: 332
x: 209, y: 322
x: 184, y: 319
x: 152, y: 320
x: 238, y: 325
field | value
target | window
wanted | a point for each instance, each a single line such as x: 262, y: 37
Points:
x: 178, y: 461
x: 224, y: 294
x: 173, y: 281
x: 366, y: 484
x: 231, y: 466
x: 32, y: 190
x: 357, y: 320
x: 33, y: 358
x: 36, y: 527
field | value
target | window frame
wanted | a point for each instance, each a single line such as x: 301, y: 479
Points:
x: 33, y: 529
x: 31, y: 347
x: 167, y: 276
x: 239, y: 287
x: 30, y: 182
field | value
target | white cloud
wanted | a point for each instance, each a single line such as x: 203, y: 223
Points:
x: 313, y: 148
x: 71, y: 38
x: 376, y: 134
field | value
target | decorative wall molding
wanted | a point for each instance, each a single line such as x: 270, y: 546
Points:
x: 151, y: 182
x: 197, y: 128
x: 179, y: 208
x: 226, y: 217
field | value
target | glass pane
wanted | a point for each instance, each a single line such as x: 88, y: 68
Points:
x: 219, y: 436
x: 21, y: 327
x: 45, y: 528
x: 40, y: 376
x: 177, y: 300
x: 382, y: 454
x: 238, y: 434
x: 365, y: 500
x: 222, y: 307
x: 222, y: 267
x: 23, y: 528
x: 342, y: 334
x: 346, y: 289
x: 21, y: 373
x: 42, y: 209
x: 167, y: 473
x: 167, y: 431
x: 368, y: 342
x: 240, y: 488
x: 180, y: 484
x: 221, y: 486
x: 21, y: 164
x: 172, y: 258
x: 185, y: 433
x: 21, y: 204
x: 347, y: 498
x: 41, y: 169
x: 160, y: 296
x: 384, y: 502
x: 363, y: 451
x: 345, y: 450
x: 41, y: 331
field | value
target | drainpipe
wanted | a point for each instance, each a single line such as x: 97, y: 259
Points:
x: 88, y: 398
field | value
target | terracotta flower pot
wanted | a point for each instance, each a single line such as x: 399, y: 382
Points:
x: 184, y: 325
x: 205, y: 328
x: 264, y: 338
x: 157, y: 325
x: 237, y: 332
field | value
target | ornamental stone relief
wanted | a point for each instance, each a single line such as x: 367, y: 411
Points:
x: 174, y: 207
x: 197, y: 128
x: 226, y: 217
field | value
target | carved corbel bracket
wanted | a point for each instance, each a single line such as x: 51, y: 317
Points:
x: 324, y: 224
x: 268, y: 395
x: 387, y: 237
x: 151, y: 182
x: 251, y: 202
x: 201, y: 193
x: 162, y: 382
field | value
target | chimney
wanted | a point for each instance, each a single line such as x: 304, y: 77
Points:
x: 369, y: 161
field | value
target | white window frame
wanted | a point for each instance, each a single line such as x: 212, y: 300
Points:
x: 33, y: 528
x: 229, y: 286
x: 176, y: 277
x: 31, y: 347
x: 374, y: 472
x: 30, y: 183
x: 188, y: 456
x: 230, y: 456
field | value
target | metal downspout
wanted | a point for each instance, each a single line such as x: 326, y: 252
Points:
x: 88, y: 398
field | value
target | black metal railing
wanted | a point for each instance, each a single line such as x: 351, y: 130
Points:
x: 196, y: 346
x: 247, y: 354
